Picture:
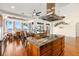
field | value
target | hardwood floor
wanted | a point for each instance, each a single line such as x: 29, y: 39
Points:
x: 71, y: 48
x: 14, y: 49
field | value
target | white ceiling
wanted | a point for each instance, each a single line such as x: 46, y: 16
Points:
x: 60, y: 5
x: 26, y: 8
x: 21, y: 8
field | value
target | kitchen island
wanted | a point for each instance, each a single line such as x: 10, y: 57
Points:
x: 52, y: 45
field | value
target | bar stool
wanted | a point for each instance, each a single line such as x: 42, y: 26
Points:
x: 24, y: 38
x: 18, y: 35
x: 17, y: 40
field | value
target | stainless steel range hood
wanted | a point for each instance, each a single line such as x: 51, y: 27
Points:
x: 52, y: 17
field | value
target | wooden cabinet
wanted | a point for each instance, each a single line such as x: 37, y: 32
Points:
x: 45, y: 49
x: 57, y: 47
x: 54, y: 48
x: 33, y: 50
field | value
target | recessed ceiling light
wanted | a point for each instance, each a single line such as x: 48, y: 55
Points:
x: 12, y: 7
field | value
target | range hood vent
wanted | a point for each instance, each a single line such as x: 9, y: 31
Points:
x: 52, y: 17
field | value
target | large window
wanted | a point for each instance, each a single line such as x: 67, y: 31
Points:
x: 25, y: 27
x: 9, y: 26
x: 15, y: 25
x: 18, y: 25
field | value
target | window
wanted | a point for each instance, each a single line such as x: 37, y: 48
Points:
x: 9, y: 26
x: 18, y: 25
x: 25, y: 27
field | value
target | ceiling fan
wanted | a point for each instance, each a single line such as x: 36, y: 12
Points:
x: 35, y: 13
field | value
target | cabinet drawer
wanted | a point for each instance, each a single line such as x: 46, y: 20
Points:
x: 56, y: 52
x: 48, y: 53
x: 45, y: 49
x: 57, y: 42
x: 56, y: 47
x: 45, y: 46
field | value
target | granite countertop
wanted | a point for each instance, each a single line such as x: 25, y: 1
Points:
x: 43, y: 41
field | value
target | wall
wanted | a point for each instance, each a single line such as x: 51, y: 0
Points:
x: 71, y: 13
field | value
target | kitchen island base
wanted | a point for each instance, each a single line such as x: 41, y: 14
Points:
x: 53, y: 48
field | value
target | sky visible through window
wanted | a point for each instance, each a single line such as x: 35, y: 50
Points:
x: 18, y: 25
x: 9, y: 25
